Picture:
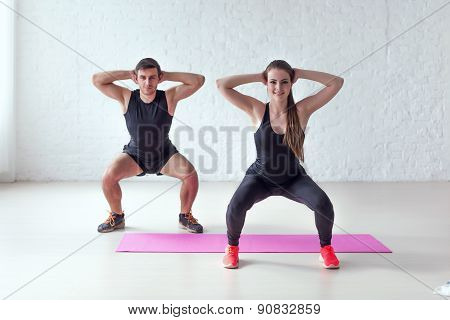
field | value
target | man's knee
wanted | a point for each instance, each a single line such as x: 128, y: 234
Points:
x: 189, y: 176
x: 110, y: 176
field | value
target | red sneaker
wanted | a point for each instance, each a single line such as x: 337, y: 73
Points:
x: 328, y: 258
x: 231, y: 259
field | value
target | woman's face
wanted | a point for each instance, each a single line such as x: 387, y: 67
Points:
x: 278, y: 84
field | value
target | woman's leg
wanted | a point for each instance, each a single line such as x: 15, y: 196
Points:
x: 304, y: 190
x: 251, y: 190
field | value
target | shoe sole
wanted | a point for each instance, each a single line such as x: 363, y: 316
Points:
x: 331, y: 266
x: 187, y: 229
x: 230, y: 266
x: 119, y: 226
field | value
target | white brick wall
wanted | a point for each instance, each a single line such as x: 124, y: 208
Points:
x: 7, y: 116
x: 389, y: 122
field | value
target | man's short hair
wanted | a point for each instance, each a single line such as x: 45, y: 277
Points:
x: 147, y: 63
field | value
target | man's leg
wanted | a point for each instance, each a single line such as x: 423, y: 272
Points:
x: 179, y: 167
x: 122, y: 167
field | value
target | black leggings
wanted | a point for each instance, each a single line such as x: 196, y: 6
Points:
x: 301, y: 189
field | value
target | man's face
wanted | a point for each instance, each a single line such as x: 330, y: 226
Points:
x: 148, y: 80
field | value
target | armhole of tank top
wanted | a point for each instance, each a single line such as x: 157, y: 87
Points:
x: 263, y: 118
x: 163, y: 99
x: 306, y: 127
x: 133, y: 93
x: 161, y: 96
x: 266, y: 113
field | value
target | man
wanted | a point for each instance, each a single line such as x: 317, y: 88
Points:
x: 148, y: 113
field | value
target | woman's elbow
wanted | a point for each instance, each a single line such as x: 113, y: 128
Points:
x: 94, y: 79
x: 200, y: 80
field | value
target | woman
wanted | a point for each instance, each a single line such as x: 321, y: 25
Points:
x: 279, y: 145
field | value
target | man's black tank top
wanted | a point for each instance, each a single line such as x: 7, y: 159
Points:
x: 275, y: 161
x: 149, y: 125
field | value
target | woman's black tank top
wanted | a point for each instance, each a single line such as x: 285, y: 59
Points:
x: 275, y: 161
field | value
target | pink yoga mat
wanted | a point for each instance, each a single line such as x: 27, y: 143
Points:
x: 250, y: 243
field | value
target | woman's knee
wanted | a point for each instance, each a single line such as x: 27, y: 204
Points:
x: 235, y: 214
x: 323, y: 205
x: 239, y: 205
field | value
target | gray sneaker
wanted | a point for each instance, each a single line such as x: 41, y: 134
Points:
x: 188, y: 222
x: 113, y: 222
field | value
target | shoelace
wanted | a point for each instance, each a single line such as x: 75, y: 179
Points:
x: 232, y: 250
x: 190, y: 218
x: 328, y: 250
x: 111, y: 219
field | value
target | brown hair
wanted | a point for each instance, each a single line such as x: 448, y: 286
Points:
x: 295, y: 136
x: 147, y: 63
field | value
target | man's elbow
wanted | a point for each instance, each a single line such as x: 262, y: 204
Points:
x: 200, y: 80
x: 96, y: 79
x: 339, y: 82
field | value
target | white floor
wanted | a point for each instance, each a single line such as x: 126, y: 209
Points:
x: 50, y: 249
